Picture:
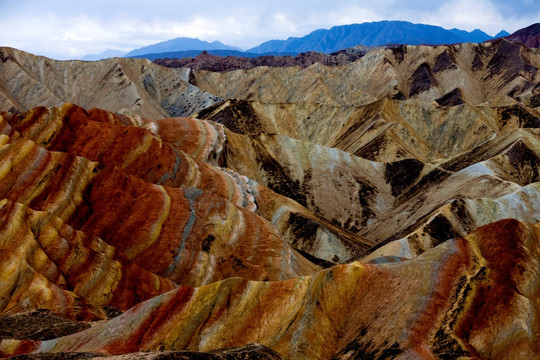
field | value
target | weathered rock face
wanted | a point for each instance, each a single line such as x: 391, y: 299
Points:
x: 529, y: 36
x: 85, y: 234
x: 205, y: 61
x: 382, y: 209
x: 434, y: 172
x: 182, y: 155
x: 383, y: 201
x: 470, y: 73
x: 133, y: 86
x: 465, y: 298
x: 384, y: 131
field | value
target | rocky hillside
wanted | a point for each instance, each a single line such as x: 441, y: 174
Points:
x: 529, y: 36
x: 131, y: 86
x: 207, y: 61
x: 384, y: 208
x: 451, y: 75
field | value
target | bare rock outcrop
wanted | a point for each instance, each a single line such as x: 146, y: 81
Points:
x: 205, y: 61
x: 470, y: 73
x: 468, y: 297
x: 384, y: 208
x: 132, y: 86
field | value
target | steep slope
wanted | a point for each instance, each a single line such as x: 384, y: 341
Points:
x: 464, y: 73
x: 184, y: 155
x: 378, y: 200
x: 387, y: 130
x: 475, y: 297
x: 134, y: 86
x: 529, y: 36
x: 69, y: 272
x: 95, y: 234
x: 371, y: 34
x: 488, y: 153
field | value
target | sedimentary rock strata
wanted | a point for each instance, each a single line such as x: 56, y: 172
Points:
x: 446, y: 300
x: 85, y: 234
x: 205, y: 61
x: 479, y: 72
x: 386, y: 130
x: 133, y: 86
x: 184, y: 154
x: 385, y: 208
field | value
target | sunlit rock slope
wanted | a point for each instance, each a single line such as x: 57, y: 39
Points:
x: 387, y: 208
x: 133, y: 86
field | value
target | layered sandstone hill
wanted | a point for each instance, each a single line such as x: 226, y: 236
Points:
x: 385, y: 208
x: 385, y: 130
x: 467, y: 298
x: 101, y: 214
x: 471, y: 73
x: 133, y: 86
x: 101, y: 210
x: 206, y: 61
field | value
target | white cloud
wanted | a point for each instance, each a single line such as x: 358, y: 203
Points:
x: 71, y: 36
x: 282, y: 21
x: 474, y: 14
x: 352, y: 15
x: 63, y: 29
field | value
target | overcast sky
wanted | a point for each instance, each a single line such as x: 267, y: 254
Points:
x: 71, y: 29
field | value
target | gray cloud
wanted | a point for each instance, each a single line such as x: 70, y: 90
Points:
x: 67, y: 29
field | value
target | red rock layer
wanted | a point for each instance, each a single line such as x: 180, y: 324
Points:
x: 463, y: 299
x: 205, y: 61
x: 180, y: 152
x: 99, y: 136
x: 155, y: 236
x: 53, y: 266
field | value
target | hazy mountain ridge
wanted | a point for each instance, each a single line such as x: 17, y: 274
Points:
x: 321, y: 40
x: 180, y: 44
x: 110, y: 53
x: 195, y: 53
x: 207, y: 61
x: 235, y: 61
x: 371, y: 34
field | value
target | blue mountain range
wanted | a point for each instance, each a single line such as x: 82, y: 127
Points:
x: 322, y: 40
x: 180, y: 44
x: 372, y: 34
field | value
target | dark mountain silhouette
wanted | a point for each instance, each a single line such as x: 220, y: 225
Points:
x: 371, y: 34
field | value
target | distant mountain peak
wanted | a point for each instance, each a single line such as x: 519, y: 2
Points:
x: 180, y: 44
x: 372, y: 34
x: 109, y: 53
